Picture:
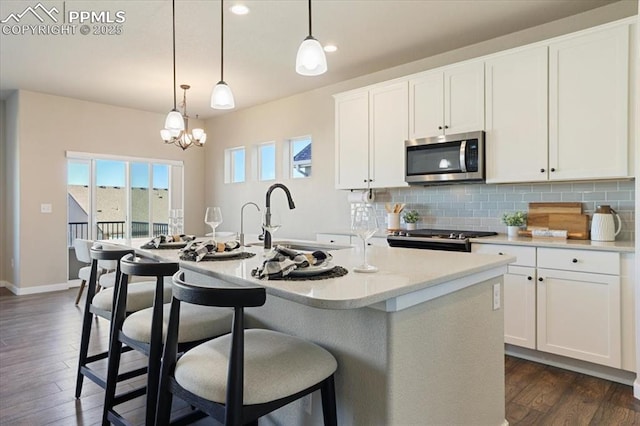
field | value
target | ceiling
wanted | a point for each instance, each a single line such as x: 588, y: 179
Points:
x: 134, y: 69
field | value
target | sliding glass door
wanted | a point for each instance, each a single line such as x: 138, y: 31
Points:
x: 111, y: 197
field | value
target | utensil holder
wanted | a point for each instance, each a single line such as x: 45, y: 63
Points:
x: 393, y: 221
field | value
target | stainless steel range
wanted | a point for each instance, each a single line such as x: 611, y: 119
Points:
x: 436, y: 239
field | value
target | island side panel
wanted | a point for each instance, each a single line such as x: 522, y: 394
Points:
x: 446, y: 360
x: 358, y: 339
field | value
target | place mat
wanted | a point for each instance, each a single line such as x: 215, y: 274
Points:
x: 243, y: 255
x: 336, y: 272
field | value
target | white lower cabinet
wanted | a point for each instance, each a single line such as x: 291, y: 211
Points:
x: 520, y: 306
x: 568, y: 302
x: 519, y: 293
x: 345, y: 240
x: 337, y: 239
x: 579, y: 315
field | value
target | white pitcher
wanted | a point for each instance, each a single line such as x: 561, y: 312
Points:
x: 603, y: 227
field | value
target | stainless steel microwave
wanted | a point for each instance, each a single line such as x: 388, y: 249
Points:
x: 445, y: 159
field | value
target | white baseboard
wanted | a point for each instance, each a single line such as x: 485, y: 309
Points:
x: 636, y: 388
x: 4, y: 283
x: 20, y: 291
x: 601, y: 371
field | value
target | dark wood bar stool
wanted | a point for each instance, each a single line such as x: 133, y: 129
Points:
x: 242, y: 376
x: 102, y: 305
x: 145, y: 331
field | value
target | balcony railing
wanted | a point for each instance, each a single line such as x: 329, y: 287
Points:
x: 114, y: 229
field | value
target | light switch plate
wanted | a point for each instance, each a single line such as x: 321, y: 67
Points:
x: 46, y: 208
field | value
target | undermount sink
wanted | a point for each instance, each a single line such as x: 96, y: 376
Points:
x: 304, y: 246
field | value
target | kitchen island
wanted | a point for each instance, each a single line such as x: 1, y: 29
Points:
x: 419, y: 342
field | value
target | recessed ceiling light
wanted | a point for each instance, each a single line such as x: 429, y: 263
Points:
x: 239, y: 9
x: 330, y: 48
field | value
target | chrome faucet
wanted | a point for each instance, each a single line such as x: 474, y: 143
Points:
x: 267, y: 213
x: 242, y: 220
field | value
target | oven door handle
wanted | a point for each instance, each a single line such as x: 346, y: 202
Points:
x: 463, y: 161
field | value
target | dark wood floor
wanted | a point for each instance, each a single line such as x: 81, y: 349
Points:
x: 39, y: 337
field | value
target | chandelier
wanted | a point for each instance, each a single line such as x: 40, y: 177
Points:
x: 183, y: 138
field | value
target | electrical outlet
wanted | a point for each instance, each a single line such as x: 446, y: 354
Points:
x: 496, y: 296
x: 306, y: 404
x: 46, y: 208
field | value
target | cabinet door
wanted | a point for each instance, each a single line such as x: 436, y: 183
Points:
x: 520, y: 307
x: 579, y: 316
x: 337, y: 239
x: 426, y: 100
x: 516, y: 117
x: 388, y: 117
x: 376, y: 241
x: 464, y: 98
x: 352, y: 140
x: 588, y: 105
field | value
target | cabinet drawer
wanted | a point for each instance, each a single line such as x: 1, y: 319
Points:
x: 373, y: 241
x: 338, y: 239
x: 579, y: 260
x: 526, y: 256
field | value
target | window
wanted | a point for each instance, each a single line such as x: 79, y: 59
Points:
x: 120, y: 197
x: 267, y: 161
x: 300, y: 149
x: 234, y: 165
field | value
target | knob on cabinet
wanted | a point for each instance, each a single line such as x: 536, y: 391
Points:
x: 574, y: 260
x: 540, y: 279
x: 541, y: 170
x: 529, y: 278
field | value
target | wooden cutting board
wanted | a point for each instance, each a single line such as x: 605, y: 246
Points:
x: 573, y: 208
x: 577, y: 224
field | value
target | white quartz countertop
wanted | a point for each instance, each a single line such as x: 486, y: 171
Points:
x: 617, y: 246
x: 401, y: 272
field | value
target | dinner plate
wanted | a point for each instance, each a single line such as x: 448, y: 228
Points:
x: 312, y: 270
x: 232, y: 253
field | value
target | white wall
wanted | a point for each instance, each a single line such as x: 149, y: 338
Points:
x: 319, y: 206
x: 47, y: 127
x: 3, y: 191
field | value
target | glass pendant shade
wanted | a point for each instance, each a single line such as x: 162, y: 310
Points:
x: 311, y: 59
x: 165, y: 134
x: 197, y: 134
x: 174, y: 121
x: 222, y: 97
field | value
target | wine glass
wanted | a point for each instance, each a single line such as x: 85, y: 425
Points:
x: 273, y: 223
x: 364, y: 224
x: 213, y: 218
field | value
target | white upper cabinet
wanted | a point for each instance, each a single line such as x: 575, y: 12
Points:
x: 580, y: 130
x: 588, y: 105
x: 352, y: 140
x: 388, y: 116
x: 447, y: 101
x: 371, y: 127
x: 516, y: 116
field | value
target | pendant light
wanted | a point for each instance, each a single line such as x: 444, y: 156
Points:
x: 174, y: 123
x: 311, y: 59
x: 221, y: 96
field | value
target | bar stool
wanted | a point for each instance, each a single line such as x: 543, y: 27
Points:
x: 240, y: 377
x: 101, y: 304
x: 145, y: 331
x: 81, y: 248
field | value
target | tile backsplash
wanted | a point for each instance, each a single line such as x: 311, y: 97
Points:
x: 480, y: 206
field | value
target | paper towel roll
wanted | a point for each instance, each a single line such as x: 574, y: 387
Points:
x: 361, y: 197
